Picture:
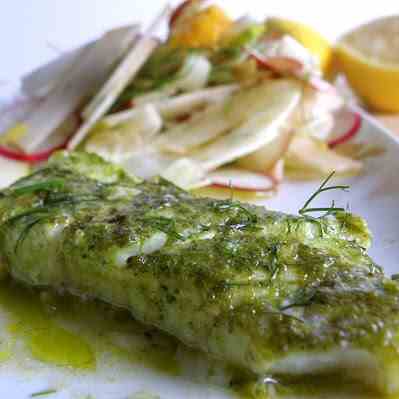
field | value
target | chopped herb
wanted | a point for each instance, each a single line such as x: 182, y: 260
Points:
x: 274, y: 265
x: 166, y: 225
x: 248, y: 36
x: 230, y: 284
x: 302, y: 297
x: 43, y: 393
x: 332, y: 209
x: 40, y: 186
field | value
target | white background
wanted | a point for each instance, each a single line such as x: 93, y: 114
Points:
x: 30, y: 29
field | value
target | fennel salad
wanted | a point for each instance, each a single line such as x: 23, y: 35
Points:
x: 220, y: 105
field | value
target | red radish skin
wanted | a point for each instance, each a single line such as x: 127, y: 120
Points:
x: 349, y: 134
x: 36, y: 157
x: 29, y: 158
x: 177, y: 12
x: 276, y: 173
x: 287, y: 65
x: 242, y: 180
x: 277, y: 64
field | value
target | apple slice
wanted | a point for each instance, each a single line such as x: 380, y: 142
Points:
x: 240, y: 179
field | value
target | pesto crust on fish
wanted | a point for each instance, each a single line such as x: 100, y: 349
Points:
x: 268, y: 292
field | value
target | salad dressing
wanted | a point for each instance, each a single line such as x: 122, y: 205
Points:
x: 69, y: 332
x: 60, y: 331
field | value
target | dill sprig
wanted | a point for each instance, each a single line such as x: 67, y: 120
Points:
x: 47, y: 185
x: 45, y: 211
x: 166, y: 225
x: 303, y: 297
x: 43, y: 393
x: 323, y: 187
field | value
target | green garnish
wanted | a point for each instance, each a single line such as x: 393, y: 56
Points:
x: 303, y: 297
x: 305, y: 208
x: 242, y: 219
x: 43, y: 393
x: 247, y: 36
x: 46, y: 209
x: 48, y: 185
x: 166, y: 225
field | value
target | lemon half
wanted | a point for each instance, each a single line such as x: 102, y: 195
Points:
x: 369, y: 57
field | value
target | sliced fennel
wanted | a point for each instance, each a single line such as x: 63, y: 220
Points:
x: 185, y: 173
x: 43, y: 79
x: 280, y: 100
x: 173, y: 107
x: 309, y: 158
x: 203, y: 127
x: 265, y: 158
x: 240, y: 179
x: 193, y: 75
x: 219, y: 118
x: 120, y: 78
x: 119, y: 142
x: 74, y: 85
x: 318, y: 127
x: 148, y: 162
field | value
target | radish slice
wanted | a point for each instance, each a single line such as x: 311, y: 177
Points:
x: 56, y: 142
x: 286, y: 65
x: 276, y: 173
x: 29, y: 158
x: 185, y: 10
x: 277, y: 64
x: 178, y: 11
x: 74, y: 86
x: 346, y: 127
x: 240, y: 179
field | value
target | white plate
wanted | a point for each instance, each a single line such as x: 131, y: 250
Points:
x: 374, y: 195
